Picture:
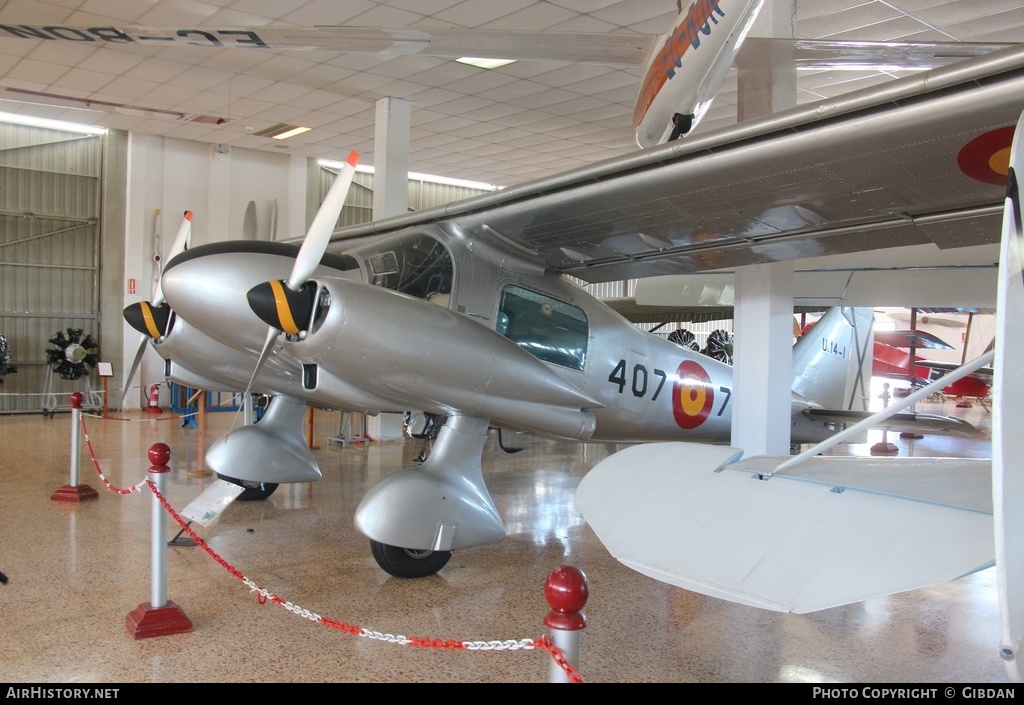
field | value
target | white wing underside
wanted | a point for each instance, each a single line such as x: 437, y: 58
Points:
x: 1007, y: 441
x: 833, y: 531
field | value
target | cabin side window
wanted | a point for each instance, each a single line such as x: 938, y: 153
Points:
x: 418, y: 265
x: 549, y: 329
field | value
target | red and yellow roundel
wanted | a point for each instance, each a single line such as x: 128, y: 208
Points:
x: 987, y: 157
x: 692, y: 395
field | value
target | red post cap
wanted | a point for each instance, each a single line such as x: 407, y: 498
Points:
x: 566, y: 591
x: 76, y: 400
x: 159, y: 453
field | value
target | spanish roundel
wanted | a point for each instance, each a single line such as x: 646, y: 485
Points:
x: 692, y: 395
x: 987, y: 157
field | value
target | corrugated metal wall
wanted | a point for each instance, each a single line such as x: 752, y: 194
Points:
x: 50, y: 190
x: 359, y: 204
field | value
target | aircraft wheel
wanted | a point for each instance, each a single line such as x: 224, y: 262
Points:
x: 253, y: 490
x: 408, y: 562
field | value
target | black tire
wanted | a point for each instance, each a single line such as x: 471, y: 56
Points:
x: 253, y: 490
x: 407, y: 562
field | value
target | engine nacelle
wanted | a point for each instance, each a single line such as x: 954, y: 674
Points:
x: 470, y: 368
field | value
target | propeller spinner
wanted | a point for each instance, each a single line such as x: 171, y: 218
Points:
x: 149, y: 319
x: 281, y: 307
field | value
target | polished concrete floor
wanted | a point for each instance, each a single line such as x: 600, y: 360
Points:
x: 77, y: 569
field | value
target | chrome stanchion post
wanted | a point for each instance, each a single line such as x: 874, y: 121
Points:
x: 73, y: 491
x: 76, y: 441
x: 566, y: 591
x: 159, y: 616
x: 159, y: 455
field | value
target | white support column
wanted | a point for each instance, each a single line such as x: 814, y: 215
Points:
x: 391, y: 158
x: 772, y: 87
x: 390, y: 197
x: 763, y: 346
x: 763, y: 359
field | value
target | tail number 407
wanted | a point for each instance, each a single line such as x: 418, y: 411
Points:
x: 640, y: 383
x: 693, y: 395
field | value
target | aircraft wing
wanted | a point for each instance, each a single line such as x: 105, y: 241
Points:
x: 911, y: 338
x: 907, y: 422
x: 832, y: 531
x: 635, y: 312
x: 983, y: 374
x: 904, y: 163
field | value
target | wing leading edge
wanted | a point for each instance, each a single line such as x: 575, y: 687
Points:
x: 897, y: 165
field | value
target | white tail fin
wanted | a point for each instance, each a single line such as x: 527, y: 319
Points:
x: 829, y: 361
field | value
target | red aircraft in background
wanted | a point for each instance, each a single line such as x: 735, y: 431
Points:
x: 893, y: 358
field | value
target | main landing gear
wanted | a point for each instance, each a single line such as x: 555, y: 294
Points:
x: 408, y: 562
x: 416, y: 517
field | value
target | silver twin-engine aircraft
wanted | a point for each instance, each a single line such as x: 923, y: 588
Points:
x: 469, y: 314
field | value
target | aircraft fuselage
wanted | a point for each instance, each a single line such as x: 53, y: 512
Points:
x: 419, y: 320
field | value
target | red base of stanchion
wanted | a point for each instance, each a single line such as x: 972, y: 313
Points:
x: 146, y: 621
x: 154, y: 410
x: 74, y: 493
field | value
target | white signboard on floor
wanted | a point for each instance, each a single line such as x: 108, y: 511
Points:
x: 205, y: 508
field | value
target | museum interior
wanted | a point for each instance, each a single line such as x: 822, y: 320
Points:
x: 328, y: 355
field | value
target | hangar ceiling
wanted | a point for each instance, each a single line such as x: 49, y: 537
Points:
x: 525, y: 120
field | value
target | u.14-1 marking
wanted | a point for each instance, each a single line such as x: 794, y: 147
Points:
x: 640, y: 381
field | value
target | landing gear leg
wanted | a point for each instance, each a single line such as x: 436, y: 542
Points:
x: 416, y: 517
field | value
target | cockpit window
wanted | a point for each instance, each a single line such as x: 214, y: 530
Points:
x: 549, y: 329
x: 418, y: 265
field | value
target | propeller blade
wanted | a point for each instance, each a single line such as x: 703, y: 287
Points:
x: 180, y: 244
x: 135, y: 368
x: 268, y: 345
x: 319, y: 234
x: 287, y: 307
x: 183, y: 237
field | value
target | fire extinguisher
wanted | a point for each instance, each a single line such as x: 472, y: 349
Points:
x: 154, y: 400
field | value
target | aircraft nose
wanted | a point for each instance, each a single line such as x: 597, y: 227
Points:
x: 207, y: 287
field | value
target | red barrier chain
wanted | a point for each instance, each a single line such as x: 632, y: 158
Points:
x: 95, y: 464
x: 543, y: 643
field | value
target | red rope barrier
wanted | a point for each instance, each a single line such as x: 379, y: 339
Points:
x: 96, y: 465
x: 542, y: 643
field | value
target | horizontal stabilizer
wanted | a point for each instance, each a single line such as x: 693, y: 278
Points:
x: 908, y: 422
x: 829, y: 532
